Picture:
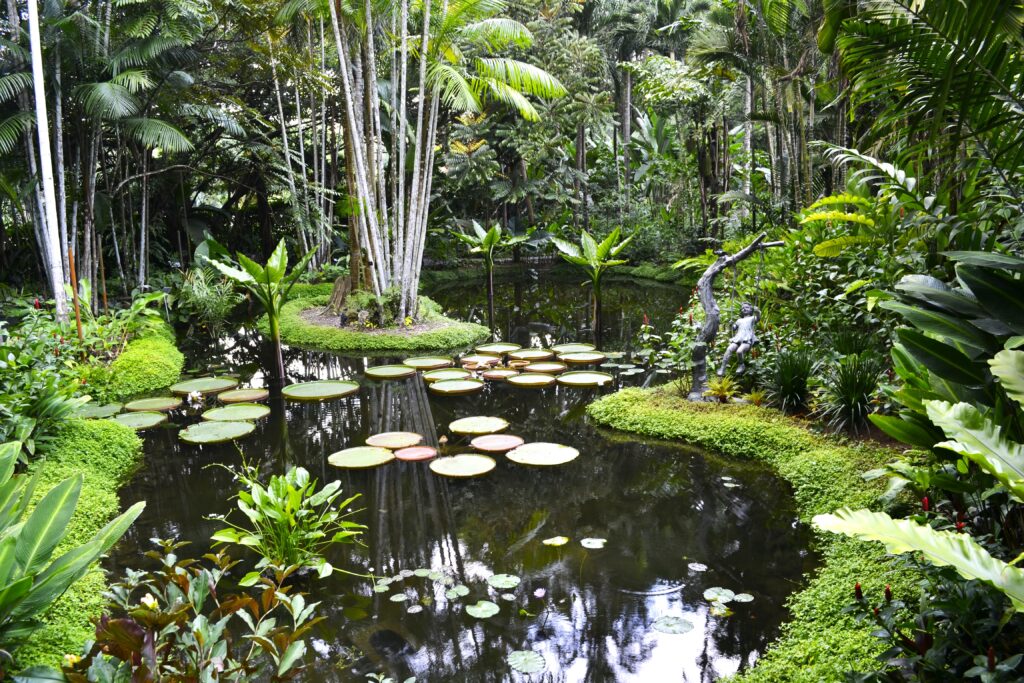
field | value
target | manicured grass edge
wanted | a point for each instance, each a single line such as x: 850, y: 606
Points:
x: 298, y: 332
x: 821, y: 642
x: 106, y: 454
x: 148, y: 363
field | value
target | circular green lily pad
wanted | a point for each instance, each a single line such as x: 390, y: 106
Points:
x: 427, y: 362
x: 204, y: 385
x: 503, y: 581
x: 321, y: 390
x: 585, y: 378
x: 743, y: 597
x: 456, y: 592
x: 480, y: 424
x: 718, y: 594
x: 496, y: 443
x: 416, y: 453
x: 482, y: 609
x: 500, y: 374
x: 237, y: 412
x: 446, y: 374
x: 463, y: 465
x: 543, y: 454
x: 394, y: 440
x: 545, y: 366
x: 390, y: 372
x: 93, y: 410
x: 573, y: 347
x: 498, y: 348
x: 141, y: 420
x: 526, y: 661
x: 453, y: 387
x: 673, y: 625
x: 532, y: 354
x: 583, y: 357
x: 361, y: 457
x: 480, y: 359
x: 215, y: 432
x: 243, y: 396
x: 533, y: 380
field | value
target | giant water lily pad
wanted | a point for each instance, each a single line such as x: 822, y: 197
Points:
x: 428, y: 362
x: 503, y: 581
x: 237, y: 412
x: 482, y: 609
x: 479, y: 424
x: 542, y: 454
x: 499, y: 374
x: 141, y: 420
x: 573, y: 347
x: 526, y: 661
x: 446, y: 374
x: 215, y: 432
x: 454, y: 387
x: 673, y: 625
x: 320, y: 390
x: 243, y: 396
x: 160, y: 404
x: 496, y: 443
x: 390, y: 372
x: 415, y: 453
x: 480, y: 359
x: 545, y: 366
x: 204, y: 385
x: 463, y: 465
x: 394, y: 440
x: 532, y: 380
x: 532, y: 354
x: 94, y: 410
x: 361, y: 457
x: 498, y: 348
x: 585, y: 378
x: 582, y: 357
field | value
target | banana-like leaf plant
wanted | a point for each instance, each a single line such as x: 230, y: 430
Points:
x: 487, y: 243
x: 268, y: 284
x: 595, y: 258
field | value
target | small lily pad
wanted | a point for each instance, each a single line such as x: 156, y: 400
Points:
x: 399, y: 597
x: 160, y: 404
x: 237, y: 412
x: 390, y: 372
x: 585, y: 378
x: 546, y: 367
x: 394, y: 440
x: 414, y: 609
x: 422, y: 572
x: 416, y: 453
x: 482, y: 609
x: 508, y: 597
x: 480, y: 359
x: 463, y: 465
x: 496, y: 443
x: 478, y: 424
x: 720, y: 609
x: 428, y: 362
x: 499, y: 374
x: 503, y: 581
x: 532, y: 355
x: 556, y: 540
x: 526, y: 661
x: 204, y: 385
x: 215, y: 432
x: 674, y: 625
x: 498, y: 348
x: 455, y: 387
x: 543, y: 454
x: 697, y: 567
x: 743, y: 597
x: 532, y: 380
x: 719, y: 594
x: 457, y: 591
x: 446, y: 374
x: 141, y: 420
x: 582, y: 357
x: 91, y: 411
x: 573, y: 347
x: 361, y: 457
x: 243, y: 396
x: 320, y: 390
x: 593, y: 543
x: 381, y: 588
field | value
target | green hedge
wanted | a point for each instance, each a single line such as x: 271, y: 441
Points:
x: 106, y: 453
x: 304, y: 290
x: 821, y: 642
x: 148, y: 363
x: 451, y: 335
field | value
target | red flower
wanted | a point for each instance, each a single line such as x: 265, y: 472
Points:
x: 991, y: 658
x: 857, y: 592
x: 925, y: 504
x: 646, y: 320
x: 37, y: 304
x: 888, y: 594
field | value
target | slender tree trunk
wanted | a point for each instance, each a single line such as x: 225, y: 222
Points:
x: 58, y: 152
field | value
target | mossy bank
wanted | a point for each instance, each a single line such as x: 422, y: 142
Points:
x: 149, y: 363
x: 821, y: 642
x: 441, y: 334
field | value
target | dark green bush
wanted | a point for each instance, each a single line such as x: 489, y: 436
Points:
x: 789, y: 380
x: 848, y: 390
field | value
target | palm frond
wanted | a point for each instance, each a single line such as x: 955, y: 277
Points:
x: 452, y: 87
x: 506, y: 94
x: 133, y: 80
x: 12, y: 128
x: 13, y: 84
x: 154, y: 133
x: 107, y: 100
x: 497, y: 33
x: 525, y: 78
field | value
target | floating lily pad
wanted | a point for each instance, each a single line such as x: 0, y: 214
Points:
x: 542, y: 454
x: 498, y: 348
x: 141, y: 420
x: 496, y: 443
x: 455, y: 387
x: 215, y: 432
x: 458, y: 591
x: 414, y: 609
x: 508, y: 597
x: 94, y: 410
x: 394, y: 440
x: 390, y: 372
x: 532, y: 354
x: 674, y: 625
x: 361, y: 457
x: 503, y: 581
x: 415, y: 453
x: 464, y: 465
x: 482, y: 609
x: 479, y: 424
x: 585, y: 378
x: 593, y: 543
x: 556, y: 541
x: 518, y: 364
x: 160, y: 404
x: 546, y: 367
x: 480, y: 359
x: 237, y: 411
x: 243, y: 396
x: 697, y: 567
x: 720, y: 609
x: 718, y: 594
x: 382, y: 588
x: 526, y: 661
x: 500, y: 374
x: 573, y: 347
x: 532, y: 380
x: 399, y: 597
x: 582, y: 357
x: 446, y: 374
x: 743, y: 597
x: 427, y: 362
x: 320, y: 390
x: 204, y: 385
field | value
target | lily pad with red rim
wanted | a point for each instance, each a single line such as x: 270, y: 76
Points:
x: 498, y: 348
x: 583, y: 357
x: 159, y: 404
x: 532, y: 355
x: 394, y: 440
x: 240, y: 412
x: 390, y: 372
x: 455, y: 387
x: 243, y: 396
x: 573, y: 347
x: 320, y: 390
x: 204, y: 385
x: 496, y: 443
x: 499, y: 374
x: 463, y: 466
x: 428, y: 362
x: 532, y: 380
x: 416, y: 453
x: 361, y: 457
x: 480, y: 359
x: 141, y: 420
x: 479, y: 424
x: 585, y: 378
x: 215, y: 432
x: 446, y: 374
x: 542, y: 454
x: 546, y: 366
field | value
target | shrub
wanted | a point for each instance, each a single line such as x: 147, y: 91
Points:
x: 147, y: 364
x: 788, y: 381
x: 206, y: 300
x: 848, y: 389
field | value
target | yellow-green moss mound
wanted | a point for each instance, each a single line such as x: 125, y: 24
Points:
x: 147, y: 364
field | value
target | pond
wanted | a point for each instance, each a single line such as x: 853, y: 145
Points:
x: 675, y: 521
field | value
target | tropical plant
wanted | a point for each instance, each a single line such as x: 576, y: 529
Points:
x: 205, y: 300
x: 595, y: 259
x: 788, y: 381
x: 722, y: 389
x: 290, y: 523
x: 487, y: 243
x: 269, y: 285
x: 848, y: 390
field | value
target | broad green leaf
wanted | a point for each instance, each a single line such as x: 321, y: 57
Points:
x: 277, y: 264
x: 834, y: 247
x: 290, y: 656
x: 1008, y: 368
x: 47, y: 524
x: 942, y: 359
x: 1001, y: 295
x: 257, y: 272
x: 987, y: 259
x: 588, y: 247
x: 567, y: 248
x: 904, y: 431
x: 943, y: 325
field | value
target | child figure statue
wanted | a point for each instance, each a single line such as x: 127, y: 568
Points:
x: 743, y: 339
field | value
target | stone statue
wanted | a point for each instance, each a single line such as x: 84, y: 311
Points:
x: 743, y: 339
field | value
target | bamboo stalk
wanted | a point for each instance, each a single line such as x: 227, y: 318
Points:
x: 74, y: 294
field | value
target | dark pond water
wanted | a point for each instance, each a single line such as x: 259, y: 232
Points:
x: 663, y: 509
